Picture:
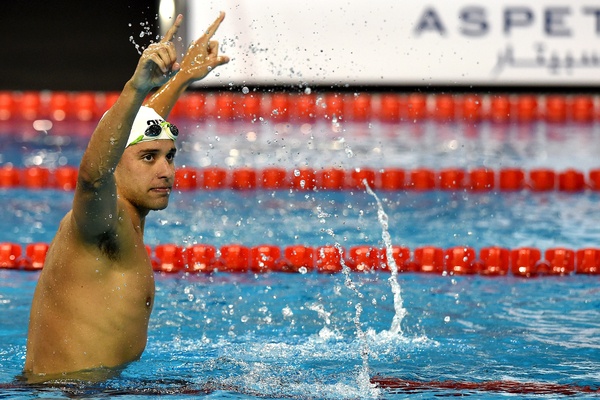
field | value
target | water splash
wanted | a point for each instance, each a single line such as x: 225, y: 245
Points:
x: 400, y: 311
x: 363, y: 380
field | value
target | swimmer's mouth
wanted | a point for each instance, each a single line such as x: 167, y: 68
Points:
x: 165, y: 189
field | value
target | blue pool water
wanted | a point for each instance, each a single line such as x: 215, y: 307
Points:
x: 299, y: 335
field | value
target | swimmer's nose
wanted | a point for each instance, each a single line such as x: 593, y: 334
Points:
x: 165, y: 169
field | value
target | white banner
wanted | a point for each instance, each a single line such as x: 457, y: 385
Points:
x: 404, y: 42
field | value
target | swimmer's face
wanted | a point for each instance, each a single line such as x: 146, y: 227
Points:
x: 146, y: 173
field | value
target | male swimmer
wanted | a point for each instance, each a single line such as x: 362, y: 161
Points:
x: 94, y: 296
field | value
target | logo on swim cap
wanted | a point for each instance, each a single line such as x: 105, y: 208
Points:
x: 149, y: 125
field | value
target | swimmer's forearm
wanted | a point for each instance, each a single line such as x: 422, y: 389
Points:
x: 165, y: 98
x: 109, y: 139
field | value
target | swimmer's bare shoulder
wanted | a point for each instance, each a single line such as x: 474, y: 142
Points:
x: 92, y: 302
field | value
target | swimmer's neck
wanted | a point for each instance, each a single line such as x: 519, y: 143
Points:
x: 137, y: 216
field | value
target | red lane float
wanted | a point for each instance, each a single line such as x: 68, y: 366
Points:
x: 360, y: 175
x: 571, y: 181
x: 429, y: 259
x: 512, y: 179
x: 200, y: 258
x: 36, y: 177
x: 422, y: 179
x: 10, y: 177
x: 65, y: 178
x: 556, y: 109
x: 331, y: 179
x: 359, y: 107
x: 500, y: 109
x: 472, y: 108
x: 170, y: 258
x: 304, y: 108
x: 234, y: 258
x: 214, y: 178
x: 481, y: 179
x: 10, y: 255
x: 298, y: 258
x: 244, y: 179
x: 417, y: 107
x: 527, y: 108
x: 264, y: 258
x: 581, y: 109
x: 524, y: 261
x: 280, y: 107
x: 461, y: 261
x: 35, y: 255
x: 452, y: 179
x: 364, y: 258
x: 542, y: 180
x: 7, y: 106
x: 389, y: 108
x: 494, y: 261
x: 186, y: 179
x: 558, y: 261
x: 588, y: 261
x: 394, y: 179
x: 304, y: 178
x: 400, y: 256
x: 329, y: 259
x: 274, y: 178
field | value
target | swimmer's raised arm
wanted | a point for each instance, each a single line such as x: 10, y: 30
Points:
x: 95, y: 200
x: 201, y: 57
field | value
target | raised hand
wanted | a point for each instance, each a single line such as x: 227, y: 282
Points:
x: 158, y: 62
x: 203, y: 54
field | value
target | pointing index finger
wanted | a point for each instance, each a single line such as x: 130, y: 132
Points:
x: 215, y: 25
x: 173, y: 29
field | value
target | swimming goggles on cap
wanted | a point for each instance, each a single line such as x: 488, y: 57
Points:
x: 155, y: 130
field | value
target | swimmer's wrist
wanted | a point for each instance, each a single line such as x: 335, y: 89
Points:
x: 182, y: 79
x: 131, y: 86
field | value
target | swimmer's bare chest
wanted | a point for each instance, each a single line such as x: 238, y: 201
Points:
x: 90, y: 309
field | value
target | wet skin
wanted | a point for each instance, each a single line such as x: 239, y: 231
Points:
x: 93, y: 299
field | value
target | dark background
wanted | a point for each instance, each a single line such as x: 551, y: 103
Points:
x: 78, y: 45
x: 71, y: 44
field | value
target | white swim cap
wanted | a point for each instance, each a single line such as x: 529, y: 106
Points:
x: 148, y: 125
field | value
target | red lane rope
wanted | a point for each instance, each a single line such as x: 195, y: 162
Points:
x: 391, y: 179
x: 397, y: 385
x: 237, y: 258
x: 283, y: 107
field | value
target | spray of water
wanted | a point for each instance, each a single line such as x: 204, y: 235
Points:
x: 400, y: 311
x: 365, y: 386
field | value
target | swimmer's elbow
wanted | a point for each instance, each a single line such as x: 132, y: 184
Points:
x: 94, y: 171
x: 92, y: 181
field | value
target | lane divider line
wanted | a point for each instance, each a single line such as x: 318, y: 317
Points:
x: 236, y: 258
x: 301, y: 107
x: 388, y: 179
